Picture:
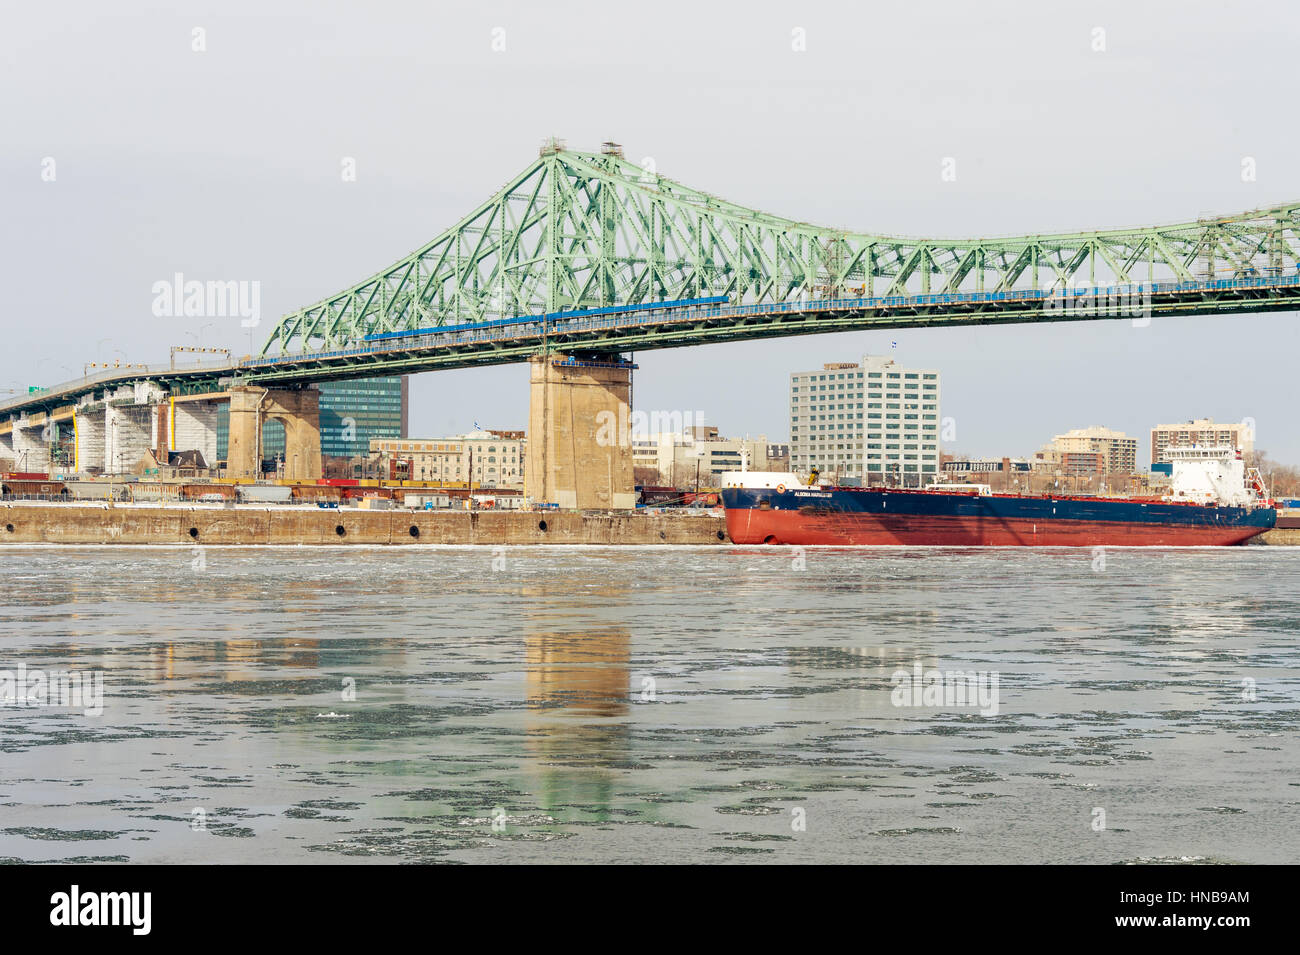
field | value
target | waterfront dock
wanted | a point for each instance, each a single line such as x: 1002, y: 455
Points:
x: 40, y: 523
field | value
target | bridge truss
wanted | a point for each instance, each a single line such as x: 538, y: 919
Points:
x: 587, y: 230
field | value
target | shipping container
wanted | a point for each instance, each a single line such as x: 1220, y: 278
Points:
x: 428, y: 502
x: 40, y: 490
x: 372, y: 490
x: 318, y: 493
x: 264, y: 493
x: 208, y: 492
x: 103, y: 491
x: 153, y: 492
x: 652, y: 496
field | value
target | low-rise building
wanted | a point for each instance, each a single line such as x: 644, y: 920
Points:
x: 1083, y: 463
x: 778, y: 457
x: 954, y: 466
x: 171, y: 465
x: 698, y: 456
x: 1118, y: 451
x: 1001, y: 474
x: 488, y: 458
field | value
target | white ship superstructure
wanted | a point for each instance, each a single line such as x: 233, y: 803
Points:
x: 1216, y: 475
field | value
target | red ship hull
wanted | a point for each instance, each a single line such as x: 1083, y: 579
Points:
x: 756, y: 526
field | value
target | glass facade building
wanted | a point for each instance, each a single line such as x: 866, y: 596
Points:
x: 352, y: 414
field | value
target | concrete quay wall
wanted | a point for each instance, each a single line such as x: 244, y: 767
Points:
x: 22, y: 523
x: 1279, y: 536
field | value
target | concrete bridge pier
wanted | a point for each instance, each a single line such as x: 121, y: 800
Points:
x: 297, y: 410
x: 128, y: 432
x: 31, y: 447
x: 89, y: 423
x: 579, y: 449
x: 194, y: 427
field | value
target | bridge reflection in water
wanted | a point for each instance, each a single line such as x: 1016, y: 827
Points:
x: 578, y: 690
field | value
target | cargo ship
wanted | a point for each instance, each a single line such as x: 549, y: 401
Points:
x: 1213, y: 500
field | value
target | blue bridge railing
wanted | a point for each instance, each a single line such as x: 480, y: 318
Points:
x: 690, y: 310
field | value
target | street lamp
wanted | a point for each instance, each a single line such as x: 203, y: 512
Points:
x: 44, y: 361
x: 698, y: 454
x: 198, y: 336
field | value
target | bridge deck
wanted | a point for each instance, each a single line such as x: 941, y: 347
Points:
x: 648, y: 327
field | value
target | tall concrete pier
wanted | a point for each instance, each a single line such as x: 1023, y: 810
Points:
x: 297, y: 410
x: 579, y: 449
x: 194, y: 425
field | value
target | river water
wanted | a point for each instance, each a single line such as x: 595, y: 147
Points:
x: 571, y: 704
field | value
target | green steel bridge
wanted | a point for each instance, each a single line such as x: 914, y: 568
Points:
x: 588, y: 253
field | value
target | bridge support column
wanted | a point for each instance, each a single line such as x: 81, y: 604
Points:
x: 128, y: 431
x: 579, y: 450
x: 90, y: 423
x: 194, y: 428
x: 7, y: 450
x: 298, y: 411
x: 31, y: 447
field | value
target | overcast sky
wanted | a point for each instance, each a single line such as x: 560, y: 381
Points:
x: 225, y: 164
